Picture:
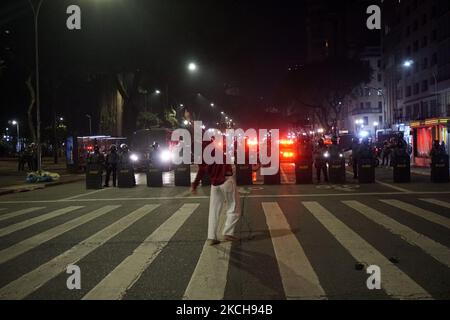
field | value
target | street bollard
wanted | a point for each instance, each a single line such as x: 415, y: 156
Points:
x: 402, y: 169
x: 94, y: 176
x: 183, y: 175
x: 439, y: 169
x: 304, y: 172
x: 154, y: 176
x: 366, y: 171
x: 244, y: 175
x: 336, y: 171
x: 125, y: 178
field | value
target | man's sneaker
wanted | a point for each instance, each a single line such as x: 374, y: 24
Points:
x: 213, y: 242
x: 230, y: 238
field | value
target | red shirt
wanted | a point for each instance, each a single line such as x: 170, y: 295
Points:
x: 217, y: 173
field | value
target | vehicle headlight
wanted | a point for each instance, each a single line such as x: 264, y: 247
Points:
x: 134, y: 157
x: 326, y: 155
x: 341, y: 155
x: 165, y: 156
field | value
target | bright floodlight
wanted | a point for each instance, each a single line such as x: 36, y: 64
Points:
x: 192, y: 67
x: 212, y: 104
x: 408, y: 63
x: 14, y: 122
x: 363, y: 134
x: 375, y: 124
x: 221, y: 112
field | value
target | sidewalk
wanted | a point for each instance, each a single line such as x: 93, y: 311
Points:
x: 12, y: 181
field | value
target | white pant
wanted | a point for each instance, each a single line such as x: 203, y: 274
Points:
x: 227, y: 192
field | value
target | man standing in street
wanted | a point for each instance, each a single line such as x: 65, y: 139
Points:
x: 223, y: 191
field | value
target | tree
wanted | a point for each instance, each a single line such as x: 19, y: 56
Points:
x: 170, y: 118
x: 323, y: 87
x: 147, y: 119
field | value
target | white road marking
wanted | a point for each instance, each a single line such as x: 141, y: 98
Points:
x: 438, y: 251
x: 297, y: 275
x: 33, y: 280
x: 83, y: 194
x: 24, y: 224
x: 294, y: 195
x: 437, y: 202
x: 124, y: 276
x: 19, y: 213
x: 388, y: 185
x: 209, y: 279
x: 32, y: 242
x: 425, y: 214
x: 394, y: 282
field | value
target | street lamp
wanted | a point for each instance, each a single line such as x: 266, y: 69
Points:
x: 192, y: 67
x: 157, y: 91
x: 36, y: 11
x: 212, y: 104
x: 16, y: 123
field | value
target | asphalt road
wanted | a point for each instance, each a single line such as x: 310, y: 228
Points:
x: 296, y: 242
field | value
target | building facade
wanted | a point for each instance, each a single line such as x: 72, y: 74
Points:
x: 366, y: 114
x: 416, y: 71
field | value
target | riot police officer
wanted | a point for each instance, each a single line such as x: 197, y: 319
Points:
x: 112, y: 161
x: 355, y: 153
x: 334, y: 150
x: 97, y: 157
x: 125, y: 162
x: 320, y: 161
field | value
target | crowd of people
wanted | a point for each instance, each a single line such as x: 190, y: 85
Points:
x: 28, y: 156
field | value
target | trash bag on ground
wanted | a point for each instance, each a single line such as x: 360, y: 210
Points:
x: 42, y: 176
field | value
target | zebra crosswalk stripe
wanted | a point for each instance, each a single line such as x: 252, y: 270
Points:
x: 34, y: 241
x: 437, y: 202
x: 209, y: 279
x: 297, y: 275
x: 394, y: 282
x: 425, y: 214
x: 123, y: 277
x: 19, y: 213
x: 33, y: 280
x: 438, y: 251
x: 24, y: 224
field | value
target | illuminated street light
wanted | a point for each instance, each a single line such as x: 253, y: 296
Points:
x: 221, y: 112
x: 192, y: 67
x: 375, y: 124
x: 408, y: 63
x: 212, y: 104
x: 185, y: 122
x: 16, y: 123
x: 157, y: 91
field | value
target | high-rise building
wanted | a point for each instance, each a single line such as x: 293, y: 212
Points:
x: 416, y: 64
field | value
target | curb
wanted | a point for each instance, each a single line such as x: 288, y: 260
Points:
x: 44, y: 185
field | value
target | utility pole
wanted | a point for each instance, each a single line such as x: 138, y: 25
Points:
x: 38, y: 102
